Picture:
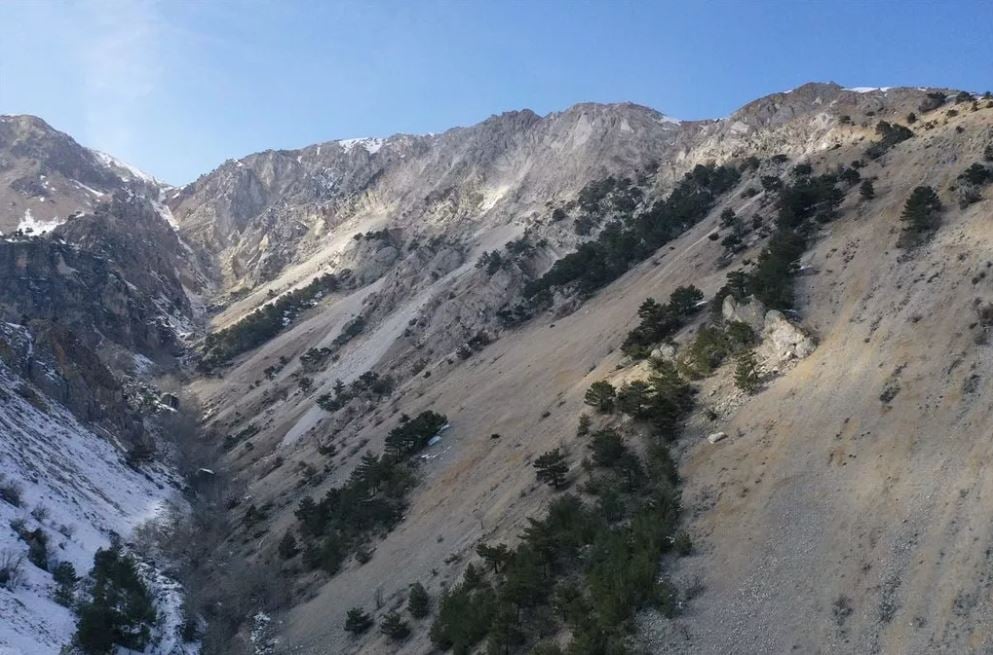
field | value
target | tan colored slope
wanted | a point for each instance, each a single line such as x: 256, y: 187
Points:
x: 774, y: 554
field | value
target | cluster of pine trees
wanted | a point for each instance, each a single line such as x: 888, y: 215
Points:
x: 593, y: 560
x: 370, y: 502
x: 626, y: 242
x: 266, y: 322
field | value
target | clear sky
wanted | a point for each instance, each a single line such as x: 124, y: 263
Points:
x: 175, y: 87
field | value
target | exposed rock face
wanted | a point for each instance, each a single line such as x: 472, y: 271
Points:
x: 751, y: 313
x: 56, y: 282
x: 51, y: 356
x: 783, y: 341
x: 45, y: 176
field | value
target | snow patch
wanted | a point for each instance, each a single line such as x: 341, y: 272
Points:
x: 30, y: 225
x: 88, y: 493
x: 369, y: 144
x: 868, y: 89
x: 114, y: 162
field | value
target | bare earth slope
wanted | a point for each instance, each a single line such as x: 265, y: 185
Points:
x: 830, y: 521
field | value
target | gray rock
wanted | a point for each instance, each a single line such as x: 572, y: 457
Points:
x: 783, y: 341
x: 751, y: 313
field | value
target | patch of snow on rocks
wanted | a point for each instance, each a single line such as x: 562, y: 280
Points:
x: 369, y: 144
x: 30, y: 225
x: 77, y: 488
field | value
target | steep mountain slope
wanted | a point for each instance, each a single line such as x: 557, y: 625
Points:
x: 492, y: 274
x: 69, y: 482
x: 418, y: 309
x: 45, y: 176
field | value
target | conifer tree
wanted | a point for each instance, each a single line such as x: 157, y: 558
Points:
x: 746, y: 372
x: 551, y: 468
x: 418, y: 601
x: 394, y: 627
x: 357, y: 621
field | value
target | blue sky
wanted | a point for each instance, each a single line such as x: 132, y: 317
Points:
x: 175, y: 87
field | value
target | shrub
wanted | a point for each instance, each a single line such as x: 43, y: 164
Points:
x: 10, y: 491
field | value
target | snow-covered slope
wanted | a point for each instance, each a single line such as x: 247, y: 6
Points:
x: 77, y: 488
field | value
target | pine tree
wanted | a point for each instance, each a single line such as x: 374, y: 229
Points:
x: 551, y: 468
x: 394, y: 627
x: 288, y: 548
x: 601, y: 396
x: 418, y: 601
x: 357, y: 621
x: 920, y: 214
x: 497, y: 556
x: 746, y: 372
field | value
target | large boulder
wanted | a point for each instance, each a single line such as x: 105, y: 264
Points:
x: 783, y: 341
x: 752, y: 312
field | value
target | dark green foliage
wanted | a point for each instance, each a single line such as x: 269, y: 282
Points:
x: 496, y: 556
x: 288, y: 548
x: 977, y: 175
x: 394, y: 627
x: 771, y: 183
x: 850, y: 176
x: 357, y: 621
x: 771, y: 281
x: 802, y: 170
x: 607, y: 447
x: 120, y: 612
x: 350, y: 330
x: 418, y: 601
x: 867, y: 190
x: 622, y: 244
x: 921, y: 216
x: 590, y: 568
x: 411, y: 436
x: 370, y: 385
x: 464, y: 618
x: 65, y: 578
x: 746, y: 372
x: 491, y: 262
x: 583, y: 428
x: 659, y: 322
x: 601, y: 395
x: 890, y: 135
x: 370, y: 502
x: 264, y: 323
x: 551, y: 468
